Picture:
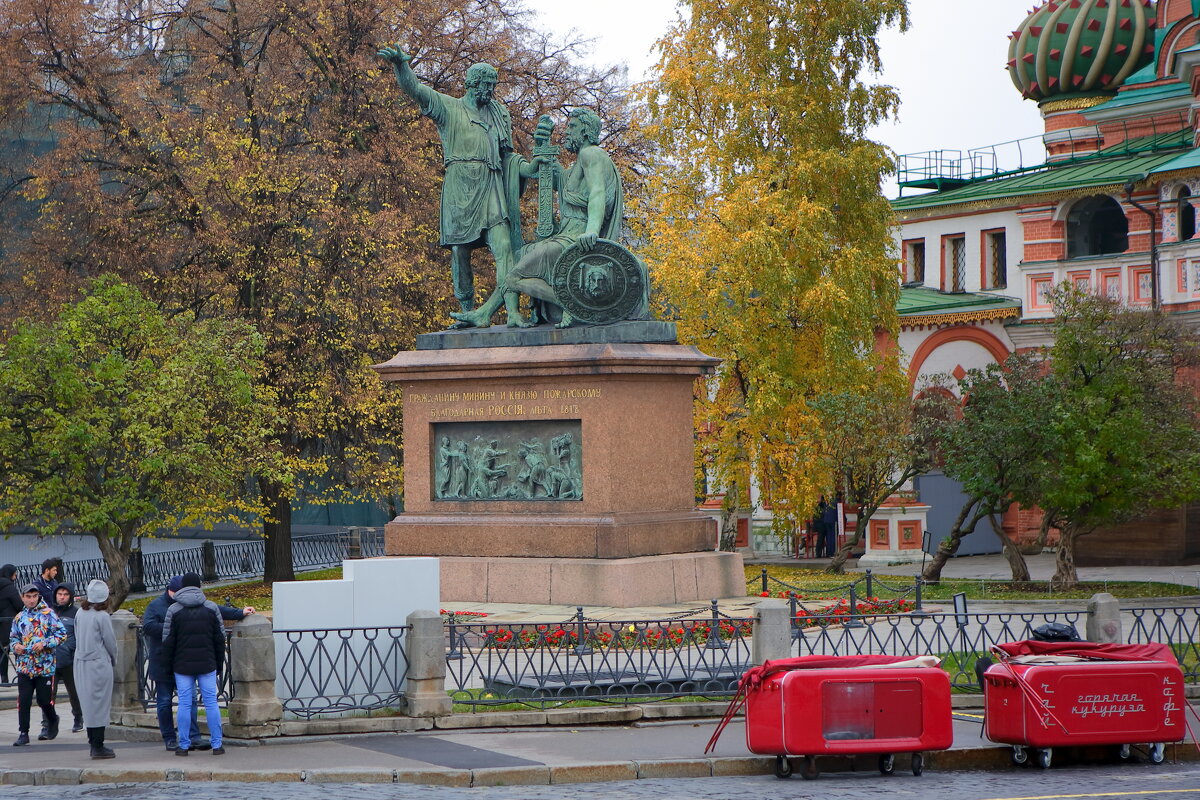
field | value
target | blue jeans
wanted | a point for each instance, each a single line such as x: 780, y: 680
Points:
x: 164, y: 691
x: 185, y: 689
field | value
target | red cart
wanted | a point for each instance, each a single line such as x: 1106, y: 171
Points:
x: 1043, y: 695
x: 830, y: 705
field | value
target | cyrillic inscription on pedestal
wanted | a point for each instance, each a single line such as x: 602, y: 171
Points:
x: 518, y: 460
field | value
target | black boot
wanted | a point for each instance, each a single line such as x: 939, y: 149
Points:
x: 52, y: 728
x: 96, y: 740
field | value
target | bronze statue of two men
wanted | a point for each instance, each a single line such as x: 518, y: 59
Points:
x: 576, y: 271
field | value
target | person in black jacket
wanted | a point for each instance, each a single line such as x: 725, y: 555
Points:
x: 10, y: 606
x: 194, y: 648
x: 64, y: 655
x: 160, y: 673
x: 47, y: 582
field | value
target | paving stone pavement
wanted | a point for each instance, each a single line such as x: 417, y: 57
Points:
x: 1141, y: 781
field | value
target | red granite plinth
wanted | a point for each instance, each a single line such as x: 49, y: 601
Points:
x: 633, y: 405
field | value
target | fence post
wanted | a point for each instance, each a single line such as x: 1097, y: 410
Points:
x: 126, y: 697
x: 1104, y: 619
x: 208, y: 561
x: 772, y: 638
x: 254, y: 710
x: 137, y: 570
x: 426, y: 648
x: 353, y: 543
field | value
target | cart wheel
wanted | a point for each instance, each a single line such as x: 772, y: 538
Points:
x: 810, y: 770
x: 1019, y: 756
x: 1156, y: 753
x: 1124, y: 752
x: 918, y: 764
x: 1043, y: 758
x: 783, y: 767
x: 887, y: 764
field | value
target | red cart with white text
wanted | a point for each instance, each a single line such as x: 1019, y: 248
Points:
x: 845, y: 705
x: 1042, y: 695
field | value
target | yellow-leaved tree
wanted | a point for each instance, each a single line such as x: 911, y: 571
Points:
x: 767, y: 235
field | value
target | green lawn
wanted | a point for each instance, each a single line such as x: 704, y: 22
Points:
x: 816, y: 584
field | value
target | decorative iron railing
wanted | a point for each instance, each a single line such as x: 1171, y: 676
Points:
x: 340, y: 671
x: 232, y: 560
x: 148, y: 687
x: 620, y: 662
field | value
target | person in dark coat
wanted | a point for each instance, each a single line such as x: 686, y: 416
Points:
x: 64, y: 655
x: 10, y: 606
x: 194, y: 649
x: 47, y: 582
x: 830, y: 518
x: 160, y: 673
x: 818, y: 526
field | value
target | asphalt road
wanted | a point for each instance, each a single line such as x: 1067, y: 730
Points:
x: 1117, y: 782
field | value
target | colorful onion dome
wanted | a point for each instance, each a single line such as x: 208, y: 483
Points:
x: 1074, y: 47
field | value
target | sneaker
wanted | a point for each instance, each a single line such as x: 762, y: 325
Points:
x: 45, y: 733
x: 52, y: 732
x: 22, y: 740
x: 179, y: 751
x: 102, y: 752
x: 171, y: 744
x: 77, y: 726
x: 218, y: 751
x: 203, y: 744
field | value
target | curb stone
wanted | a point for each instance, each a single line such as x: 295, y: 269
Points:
x: 988, y: 757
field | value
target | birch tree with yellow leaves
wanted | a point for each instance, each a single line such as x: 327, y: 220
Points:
x: 765, y: 228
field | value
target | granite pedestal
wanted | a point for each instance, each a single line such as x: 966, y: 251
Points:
x: 616, y: 525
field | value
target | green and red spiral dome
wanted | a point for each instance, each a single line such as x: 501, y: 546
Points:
x: 1080, y: 47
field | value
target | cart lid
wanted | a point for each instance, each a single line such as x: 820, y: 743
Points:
x: 1095, y: 651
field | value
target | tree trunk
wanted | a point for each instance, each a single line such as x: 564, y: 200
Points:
x: 963, y: 526
x: 1012, y: 552
x: 837, y: 565
x: 1065, y: 575
x: 277, y: 533
x: 1039, y: 544
x: 115, y: 550
x: 729, y: 520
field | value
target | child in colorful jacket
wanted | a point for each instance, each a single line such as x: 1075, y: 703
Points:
x: 36, y: 631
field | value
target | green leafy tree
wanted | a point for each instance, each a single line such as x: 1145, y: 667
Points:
x: 119, y: 421
x: 996, y: 448
x: 878, y: 442
x: 1124, y: 435
x: 764, y: 225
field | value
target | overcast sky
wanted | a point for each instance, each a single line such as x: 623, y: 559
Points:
x: 949, y: 66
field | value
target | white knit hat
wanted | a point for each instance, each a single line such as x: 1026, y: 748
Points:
x: 97, y: 592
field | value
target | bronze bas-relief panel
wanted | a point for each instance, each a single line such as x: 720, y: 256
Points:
x: 519, y: 460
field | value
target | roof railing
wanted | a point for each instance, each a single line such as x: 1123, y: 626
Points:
x: 940, y: 170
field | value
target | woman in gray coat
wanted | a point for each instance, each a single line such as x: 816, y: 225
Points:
x: 95, y: 654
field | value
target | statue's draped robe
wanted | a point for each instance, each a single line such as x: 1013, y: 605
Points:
x: 538, y: 258
x: 482, y: 184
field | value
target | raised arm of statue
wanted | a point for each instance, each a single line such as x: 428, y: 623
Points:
x: 399, y: 59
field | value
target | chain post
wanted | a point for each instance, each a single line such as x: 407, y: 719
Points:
x: 765, y: 590
x: 854, y: 621
x: 870, y: 585
x: 581, y: 646
x: 714, y: 630
x: 453, y: 654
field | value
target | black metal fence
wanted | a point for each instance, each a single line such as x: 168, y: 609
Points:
x: 619, y: 662
x: 340, y: 671
x: 653, y: 660
x: 223, y: 561
x: 148, y: 687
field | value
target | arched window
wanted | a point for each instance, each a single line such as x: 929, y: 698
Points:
x: 1187, y: 215
x: 1096, y: 225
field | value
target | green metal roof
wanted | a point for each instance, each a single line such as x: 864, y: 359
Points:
x: 922, y: 301
x: 1189, y: 160
x: 1132, y: 97
x: 1079, y: 175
